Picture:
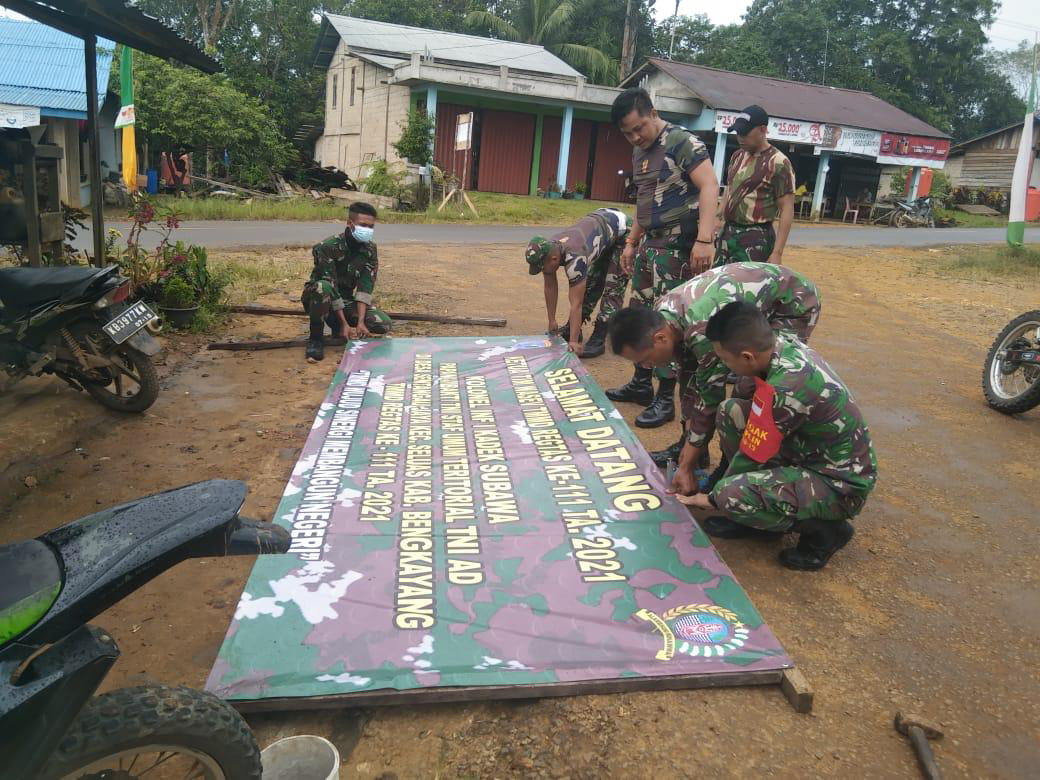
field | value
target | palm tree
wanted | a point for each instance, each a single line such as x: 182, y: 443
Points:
x: 547, y: 23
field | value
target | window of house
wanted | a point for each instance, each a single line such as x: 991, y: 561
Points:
x: 353, y: 73
x: 335, y: 88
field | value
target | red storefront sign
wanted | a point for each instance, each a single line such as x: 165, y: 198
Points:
x: 898, y: 149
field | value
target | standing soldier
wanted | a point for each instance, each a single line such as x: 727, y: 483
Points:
x: 340, y: 289
x: 590, y: 253
x: 760, y: 188
x: 676, y: 331
x: 673, y: 238
x: 800, y: 455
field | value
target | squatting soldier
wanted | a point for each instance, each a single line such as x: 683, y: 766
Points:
x: 590, y: 253
x: 760, y: 188
x: 673, y: 238
x: 676, y: 330
x: 800, y: 455
x: 341, y: 285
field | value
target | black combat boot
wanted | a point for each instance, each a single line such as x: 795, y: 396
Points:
x: 818, y: 540
x: 638, y: 390
x: 662, y: 410
x: 661, y: 457
x: 597, y: 343
x: 316, y: 342
x: 724, y: 528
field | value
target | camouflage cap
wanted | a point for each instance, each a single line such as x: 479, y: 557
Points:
x: 538, y: 249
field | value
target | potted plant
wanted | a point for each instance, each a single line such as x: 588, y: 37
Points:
x: 554, y: 191
x: 581, y: 189
x: 179, y: 303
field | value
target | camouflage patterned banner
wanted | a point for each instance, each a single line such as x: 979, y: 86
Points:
x: 474, y: 512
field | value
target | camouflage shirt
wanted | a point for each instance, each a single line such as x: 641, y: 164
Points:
x: 788, y: 299
x: 755, y: 183
x: 349, y: 266
x: 820, y: 425
x: 588, y: 239
x: 661, y: 174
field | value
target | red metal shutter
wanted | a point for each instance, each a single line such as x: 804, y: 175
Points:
x: 577, y: 164
x: 613, y: 154
x: 506, y: 149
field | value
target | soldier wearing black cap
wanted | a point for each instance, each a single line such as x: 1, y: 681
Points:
x: 760, y: 191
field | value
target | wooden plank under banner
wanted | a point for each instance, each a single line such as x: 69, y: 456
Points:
x: 472, y: 519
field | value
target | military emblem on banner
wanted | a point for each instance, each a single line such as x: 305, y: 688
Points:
x: 699, y: 630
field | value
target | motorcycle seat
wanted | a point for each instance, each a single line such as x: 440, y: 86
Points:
x: 30, y: 580
x: 22, y: 287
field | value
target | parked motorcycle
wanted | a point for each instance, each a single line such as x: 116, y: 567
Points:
x: 913, y: 213
x: 1011, y: 378
x: 52, y: 662
x: 76, y: 323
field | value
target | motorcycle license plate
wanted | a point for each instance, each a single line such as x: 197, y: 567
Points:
x: 127, y: 323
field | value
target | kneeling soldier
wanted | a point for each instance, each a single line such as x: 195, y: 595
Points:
x: 800, y: 455
x: 340, y: 289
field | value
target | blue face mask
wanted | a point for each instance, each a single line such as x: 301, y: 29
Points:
x: 362, y: 234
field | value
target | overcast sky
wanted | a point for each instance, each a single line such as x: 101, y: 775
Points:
x: 1017, y: 21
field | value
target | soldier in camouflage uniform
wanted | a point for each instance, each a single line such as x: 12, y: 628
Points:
x: 676, y: 331
x: 673, y: 237
x: 590, y: 253
x: 760, y: 189
x: 800, y: 454
x: 339, y: 292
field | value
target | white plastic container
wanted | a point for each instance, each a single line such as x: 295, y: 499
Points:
x: 304, y: 757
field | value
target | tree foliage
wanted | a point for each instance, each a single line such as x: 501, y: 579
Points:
x: 182, y: 108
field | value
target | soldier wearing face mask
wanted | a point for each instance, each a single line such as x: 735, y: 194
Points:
x: 339, y: 292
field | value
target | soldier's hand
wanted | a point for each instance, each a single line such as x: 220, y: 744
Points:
x: 684, y: 483
x: 628, y: 259
x: 774, y: 259
x: 363, y: 332
x: 575, y: 347
x: 697, y: 501
x: 702, y: 257
x: 345, y: 332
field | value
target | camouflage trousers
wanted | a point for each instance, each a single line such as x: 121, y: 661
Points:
x: 317, y: 301
x: 660, y: 267
x: 606, y: 285
x: 745, y: 243
x: 774, y: 496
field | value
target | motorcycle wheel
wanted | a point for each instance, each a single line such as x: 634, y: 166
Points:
x: 902, y: 220
x: 1013, y: 389
x: 132, y: 384
x: 156, y: 732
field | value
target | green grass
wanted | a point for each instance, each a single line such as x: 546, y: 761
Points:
x: 493, y: 209
x: 965, y: 219
x: 987, y: 263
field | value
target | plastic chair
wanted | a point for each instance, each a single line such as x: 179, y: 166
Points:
x: 849, y: 210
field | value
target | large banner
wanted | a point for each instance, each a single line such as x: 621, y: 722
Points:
x: 469, y: 514
x: 913, y: 150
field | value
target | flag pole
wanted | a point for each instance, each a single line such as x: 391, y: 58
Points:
x: 1016, y: 229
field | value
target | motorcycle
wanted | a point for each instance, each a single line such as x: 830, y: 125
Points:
x: 913, y: 213
x: 1011, y: 378
x: 76, y: 323
x: 52, y: 662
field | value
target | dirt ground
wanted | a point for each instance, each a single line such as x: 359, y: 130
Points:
x: 934, y: 607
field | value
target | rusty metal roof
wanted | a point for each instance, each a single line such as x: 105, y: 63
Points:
x: 723, y: 89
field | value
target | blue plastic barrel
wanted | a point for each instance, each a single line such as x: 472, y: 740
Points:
x: 153, y: 181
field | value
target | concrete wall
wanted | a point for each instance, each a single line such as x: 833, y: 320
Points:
x: 358, y: 133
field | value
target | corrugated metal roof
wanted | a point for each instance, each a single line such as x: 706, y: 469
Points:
x: 791, y: 99
x: 383, y: 37
x: 41, y: 66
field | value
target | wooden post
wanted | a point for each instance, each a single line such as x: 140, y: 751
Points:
x: 32, y: 204
x: 97, y: 196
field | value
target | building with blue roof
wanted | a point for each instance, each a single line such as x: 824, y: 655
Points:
x: 43, y: 84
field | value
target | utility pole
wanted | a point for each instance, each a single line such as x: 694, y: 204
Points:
x: 628, y: 43
x: 675, y: 19
x: 826, y: 46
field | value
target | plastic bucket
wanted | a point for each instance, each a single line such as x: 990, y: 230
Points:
x: 306, y: 757
x: 153, y: 181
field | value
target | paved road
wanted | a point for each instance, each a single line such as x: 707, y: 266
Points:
x: 243, y: 234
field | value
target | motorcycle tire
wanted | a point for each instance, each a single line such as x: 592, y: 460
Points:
x: 902, y: 220
x: 90, y: 336
x: 996, y: 397
x: 128, y: 723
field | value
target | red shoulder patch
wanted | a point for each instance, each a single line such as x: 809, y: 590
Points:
x: 761, y: 439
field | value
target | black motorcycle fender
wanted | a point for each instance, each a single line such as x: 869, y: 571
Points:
x: 145, y: 342
x: 36, y: 712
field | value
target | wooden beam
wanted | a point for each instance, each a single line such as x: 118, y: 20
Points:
x: 97, y: 196
x: 493, y: 322
x: 797, y: 691
x: 255, y: 346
